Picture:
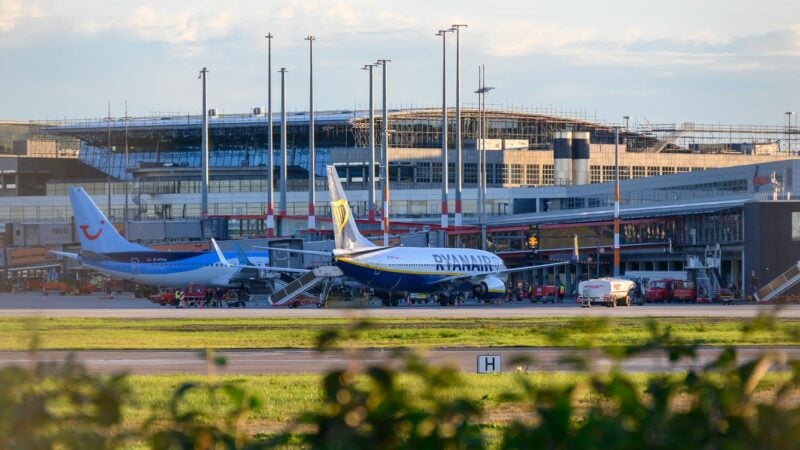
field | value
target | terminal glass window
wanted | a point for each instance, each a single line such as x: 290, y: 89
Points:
x: 490, y: 179
x: 547, y: 174
x: 516, y: 174
x: 501, y: 173
x: 436, y: 171
x: 653, y: 171
x: 423, y: 173
x: 608, y: 173
x: 533, y: 175
x: 638, y: 172
x: 471, y: 173
x: 624, y: 172
x: 667, y: 170
x: 595, y: 174
x: 451, y: 172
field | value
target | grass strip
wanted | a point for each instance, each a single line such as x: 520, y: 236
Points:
x: 286, y: 396
x: 188, y: 334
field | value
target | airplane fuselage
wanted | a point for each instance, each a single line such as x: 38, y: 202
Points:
x: 159, y: 268
x: 417, y: 269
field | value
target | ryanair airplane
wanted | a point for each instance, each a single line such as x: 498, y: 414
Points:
x: 105, y: 250
x: 412, y: 269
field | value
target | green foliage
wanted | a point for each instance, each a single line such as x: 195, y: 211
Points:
x: 60, y: 405
x: 380, y: 413
x: 205, y: 428
x: 407, y: 403
x: 712, y: 407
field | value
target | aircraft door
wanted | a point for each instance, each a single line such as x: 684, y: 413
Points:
x: 280, y: 259
x: 134, y: 265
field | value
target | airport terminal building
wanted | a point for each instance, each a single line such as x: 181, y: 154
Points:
x: 686, y: 189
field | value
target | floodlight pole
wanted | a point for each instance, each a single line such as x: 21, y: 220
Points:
x: 459, y: 161
x: 481, y: 148
x: 385, y: 151
x: 110, y: 164
x: 312, y: 182
x: 270, y: 155
x: 478, y: 148
x: 371, y: 170
x: 125, y: 175
x: 284, y: 158
x: 445, y: 185
x: 616, y: 203
x: 204, y: 152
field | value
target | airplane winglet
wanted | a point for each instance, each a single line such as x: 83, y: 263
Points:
x: 65, y: 254
x: 243, y: 259
x: 220, y: 255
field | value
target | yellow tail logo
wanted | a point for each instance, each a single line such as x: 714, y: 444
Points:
x: 340, y: 214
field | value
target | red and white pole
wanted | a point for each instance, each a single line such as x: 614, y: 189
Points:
x: 616, y: 201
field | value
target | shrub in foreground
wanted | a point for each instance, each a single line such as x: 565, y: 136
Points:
x: 719, y: 406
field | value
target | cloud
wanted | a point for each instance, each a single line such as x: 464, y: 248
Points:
x: 178, y: 27
x: 14, y: 11
x: 633, y: 47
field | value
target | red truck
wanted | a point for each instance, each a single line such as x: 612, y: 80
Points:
x: 544, y: 293
x: 684, y: 291
x: 669, y: 290
x: 659, y: 291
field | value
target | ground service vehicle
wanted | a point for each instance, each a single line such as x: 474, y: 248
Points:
x: 684, y: 291
x: 545, y: 293
x: 659, y: 291
x: 55, y: 287
x: 608, y: 291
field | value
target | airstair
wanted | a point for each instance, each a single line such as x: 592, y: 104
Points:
x: 304, y: 283
x: 707, y: 276
x: 780, y: 284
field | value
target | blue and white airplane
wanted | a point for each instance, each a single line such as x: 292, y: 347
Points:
x: 105, y: 250
x: 412, y: 269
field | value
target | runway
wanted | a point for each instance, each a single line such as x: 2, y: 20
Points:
x: 28, y: 304
x: 308, y: 361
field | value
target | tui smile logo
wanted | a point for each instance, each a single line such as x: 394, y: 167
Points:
x: 92, y: 237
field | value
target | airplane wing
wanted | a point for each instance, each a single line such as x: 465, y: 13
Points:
x: 270, y: 268
x: 292, y: 250
x: 363, y: 251
x: 339, y: 252
x: 224, y: 261
x: 69, y: 255
x: 527, y: 268
x: 480, y: 276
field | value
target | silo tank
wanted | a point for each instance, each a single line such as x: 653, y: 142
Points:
x: 580, y: 157
x: 562, y: 158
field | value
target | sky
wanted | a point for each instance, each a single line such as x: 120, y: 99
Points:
x: 671, y: 61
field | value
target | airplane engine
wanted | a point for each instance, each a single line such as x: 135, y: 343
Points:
x: 489, y: 288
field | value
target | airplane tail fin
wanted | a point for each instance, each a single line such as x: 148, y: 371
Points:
x: 95, y: 232
x: 345, y: 231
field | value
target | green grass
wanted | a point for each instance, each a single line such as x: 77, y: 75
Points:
x: 286, y: 396
x: 183, y: 334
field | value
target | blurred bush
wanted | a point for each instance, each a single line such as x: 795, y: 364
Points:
x: 717, y: 406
